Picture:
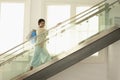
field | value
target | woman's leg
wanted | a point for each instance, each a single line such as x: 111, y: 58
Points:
x: 35, y: 62
x: 45, y: 56
x: 41, y: 56
x: 31, y: 68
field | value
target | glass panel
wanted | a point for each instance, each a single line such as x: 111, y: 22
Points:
x: 90, y: 27
x: 15, y: 67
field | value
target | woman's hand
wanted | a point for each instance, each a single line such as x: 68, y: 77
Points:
x: 59, y: 24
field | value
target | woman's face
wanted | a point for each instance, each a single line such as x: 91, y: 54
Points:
x: 42, y: 24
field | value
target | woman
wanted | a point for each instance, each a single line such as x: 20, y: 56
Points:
x: 40, y: 54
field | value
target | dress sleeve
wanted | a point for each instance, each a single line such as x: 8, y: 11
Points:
x: 41, y: 36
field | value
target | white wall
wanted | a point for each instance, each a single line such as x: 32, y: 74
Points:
x: 114, y: 61
x: 37, y: 12
x: 114, y: 50
x: 82, y: 2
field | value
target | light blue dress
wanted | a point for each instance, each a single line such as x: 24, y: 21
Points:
x: 41, y: 54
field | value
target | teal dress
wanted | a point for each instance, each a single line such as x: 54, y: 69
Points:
x: 41, y: 54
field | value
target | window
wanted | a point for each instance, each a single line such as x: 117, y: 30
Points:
x: 11, y: 25
x: 56, y: 14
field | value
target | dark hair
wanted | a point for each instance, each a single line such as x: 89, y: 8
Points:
x: 40, y: 20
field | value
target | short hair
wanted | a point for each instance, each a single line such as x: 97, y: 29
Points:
x: 40, y: 20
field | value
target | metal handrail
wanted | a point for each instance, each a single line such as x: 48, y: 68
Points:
x: 22, y: 52
x: 85, y: 11
x: 54, y: 26
x: 12, y: 52
x: 81, y: 13
x: 101, y: 10
x: 60, y: 31
x: 84, y: 15
x: 10, y: 59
